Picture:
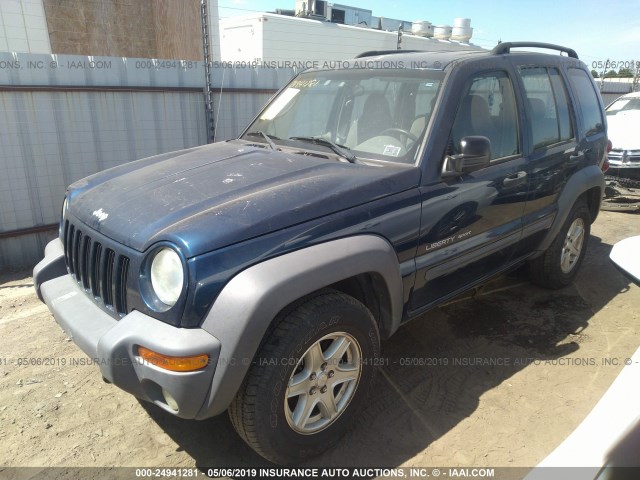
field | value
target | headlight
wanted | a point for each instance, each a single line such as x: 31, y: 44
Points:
x: 167, y: 276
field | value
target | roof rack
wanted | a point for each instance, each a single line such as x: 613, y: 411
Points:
x: 375, y: 53
x: 505, y: 47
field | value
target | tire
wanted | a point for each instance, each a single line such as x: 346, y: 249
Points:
x: 558, y: 265
x: 321, y: 350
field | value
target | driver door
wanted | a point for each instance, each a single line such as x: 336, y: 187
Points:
x: 472, y: 222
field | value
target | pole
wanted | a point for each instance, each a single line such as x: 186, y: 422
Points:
x: 208, y: 97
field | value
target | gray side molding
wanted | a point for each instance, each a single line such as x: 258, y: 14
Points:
x: 579, y: 183
x: 246, y: 306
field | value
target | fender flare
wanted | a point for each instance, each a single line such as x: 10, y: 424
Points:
x: 242, y: 313
x: 579, y: 183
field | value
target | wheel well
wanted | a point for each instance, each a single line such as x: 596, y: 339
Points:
x: 593, y: 197
x: 369, y: 289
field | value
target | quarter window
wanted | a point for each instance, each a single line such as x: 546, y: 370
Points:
x: 587, y: 101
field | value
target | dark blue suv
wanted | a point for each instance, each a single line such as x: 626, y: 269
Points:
x: 259, y: 275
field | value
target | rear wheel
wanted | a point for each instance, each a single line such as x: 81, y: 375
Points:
x: 559, y: 264
x: 309, y: 379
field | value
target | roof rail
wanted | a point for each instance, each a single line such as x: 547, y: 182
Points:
x: 505, y: 47
x: 375, y: 53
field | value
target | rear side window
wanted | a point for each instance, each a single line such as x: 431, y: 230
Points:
x: 587, y: 101
x: 547, y: 106
x: 562, y: 102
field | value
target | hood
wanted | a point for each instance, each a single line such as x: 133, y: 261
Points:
x: 216, y: 195
x: 623, y: 130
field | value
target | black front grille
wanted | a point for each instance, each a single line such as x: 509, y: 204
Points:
x: 99, y: 270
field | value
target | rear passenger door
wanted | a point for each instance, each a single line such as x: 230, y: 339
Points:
x: 552, y: 148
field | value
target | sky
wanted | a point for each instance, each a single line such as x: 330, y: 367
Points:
x: 597, y: 30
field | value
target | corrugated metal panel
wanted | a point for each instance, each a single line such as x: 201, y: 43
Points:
x: 608, y: 98
x: 74, y: 70
x: 235, y: 111
x: 53, y: 132
x: 615, y: 87
x: 251, y: 77
x: 23, y: 251
x: 51, y: 139
x: 41, y: 69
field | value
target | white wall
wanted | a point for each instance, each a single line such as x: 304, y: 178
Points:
x: 280, y: 38
x: 23, y: 27
x: 214, y: 30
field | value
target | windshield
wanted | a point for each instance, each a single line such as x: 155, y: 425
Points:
x: 374, y: 113
x: 623, y: 105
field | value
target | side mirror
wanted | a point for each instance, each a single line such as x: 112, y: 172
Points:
x: 475, y: 154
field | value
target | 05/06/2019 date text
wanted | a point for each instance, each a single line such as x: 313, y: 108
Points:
x: 606, y: 64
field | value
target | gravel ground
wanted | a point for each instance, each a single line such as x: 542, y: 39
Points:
x: 507, y: 374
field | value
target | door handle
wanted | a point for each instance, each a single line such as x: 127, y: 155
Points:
x: 515, y: 179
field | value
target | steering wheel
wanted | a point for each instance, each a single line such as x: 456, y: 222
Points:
x: 401, y: 131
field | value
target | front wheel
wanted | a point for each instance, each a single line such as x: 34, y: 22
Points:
x: 559, y: 264
x: 310, y: 378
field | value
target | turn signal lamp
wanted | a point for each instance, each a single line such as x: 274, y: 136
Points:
x: 174, y: 364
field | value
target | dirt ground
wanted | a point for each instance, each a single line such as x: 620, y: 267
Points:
x: 506, y: 375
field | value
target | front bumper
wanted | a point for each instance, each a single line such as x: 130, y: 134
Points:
x: 113, y: 344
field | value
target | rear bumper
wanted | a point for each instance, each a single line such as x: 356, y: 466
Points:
x: 113, y: 345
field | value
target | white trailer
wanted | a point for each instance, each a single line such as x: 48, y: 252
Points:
x: 266, y: 37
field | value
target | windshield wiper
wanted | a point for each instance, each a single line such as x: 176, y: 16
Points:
x: 339, y: 149
x: 266, y: 136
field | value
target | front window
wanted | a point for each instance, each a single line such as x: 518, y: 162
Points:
x: 488, y: 109
x: 375, y: 114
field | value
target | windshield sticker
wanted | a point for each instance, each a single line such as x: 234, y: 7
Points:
x: 304, y: 83
x: 279, y: 103
x: 391, y: 150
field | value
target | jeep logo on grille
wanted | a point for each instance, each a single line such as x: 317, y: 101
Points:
x: 100, y: 215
